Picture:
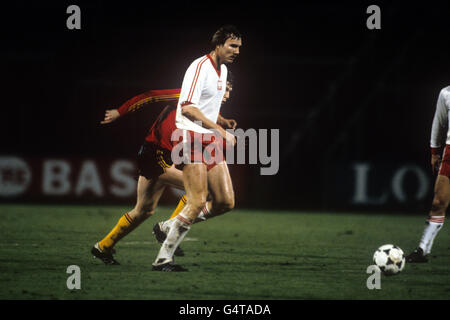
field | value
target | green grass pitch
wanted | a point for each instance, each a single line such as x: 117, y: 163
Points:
x: 241, y: 255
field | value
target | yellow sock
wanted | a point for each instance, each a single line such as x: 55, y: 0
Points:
x: 180, y: 207
x: 123, y: 227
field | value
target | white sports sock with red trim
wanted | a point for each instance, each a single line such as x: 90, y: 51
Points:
x: 178, y: 230
x: 433, y: 225
x: 165, y: 226
x: 203, y: 215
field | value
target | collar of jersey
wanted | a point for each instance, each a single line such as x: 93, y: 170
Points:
x: 214, y: 65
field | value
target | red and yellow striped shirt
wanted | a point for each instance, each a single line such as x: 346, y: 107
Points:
x: 151, y: 96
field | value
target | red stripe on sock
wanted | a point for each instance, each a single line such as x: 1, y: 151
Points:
x: 436, y: 219
x: 183, y: 219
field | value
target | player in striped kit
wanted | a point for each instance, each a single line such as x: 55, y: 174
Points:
x: 154, y: 168
x: 441, y: 200
x: 198, y: 108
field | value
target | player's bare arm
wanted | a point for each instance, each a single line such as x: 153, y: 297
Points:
x: 194, y: 114
x: 226, y: 123
x: 435, y: 163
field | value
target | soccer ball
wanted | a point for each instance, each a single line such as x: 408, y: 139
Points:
x: 390, y: 259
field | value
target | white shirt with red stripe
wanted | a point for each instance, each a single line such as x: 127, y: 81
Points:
x: 441, y: 119
x: 204, y: 87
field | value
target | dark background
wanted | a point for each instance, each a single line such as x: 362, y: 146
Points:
x: 339, y: 92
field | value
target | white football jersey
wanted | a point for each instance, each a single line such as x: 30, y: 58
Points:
x: 441, y: 119
x: 203, y: 86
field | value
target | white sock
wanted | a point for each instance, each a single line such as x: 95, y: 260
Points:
x: 433, y: 225
x: 165, y: 226
x: 203, y: 215
x: 178, y: 230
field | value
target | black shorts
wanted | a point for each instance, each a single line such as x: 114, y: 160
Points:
x: 153, y: 160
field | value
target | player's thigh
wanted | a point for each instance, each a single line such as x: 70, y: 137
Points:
x: 220, y: 185
x: 172, y: 177
x: 441, y: 191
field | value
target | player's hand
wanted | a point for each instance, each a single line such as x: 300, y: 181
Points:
x: 229, y: 137
x: 435, y: 163
x: 230, y: 124
x: 110, y: 116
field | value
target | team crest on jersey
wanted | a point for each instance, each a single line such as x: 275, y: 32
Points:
x: 219, y: 85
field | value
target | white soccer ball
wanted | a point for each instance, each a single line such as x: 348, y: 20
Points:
x: 390, y: 259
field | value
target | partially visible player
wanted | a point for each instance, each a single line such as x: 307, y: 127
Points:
x: 441, y: 198
x: 154, y: 164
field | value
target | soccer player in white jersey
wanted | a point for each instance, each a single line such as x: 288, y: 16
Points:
x: 201, y: 95
x: 155, y: 168
x: 440, y: 165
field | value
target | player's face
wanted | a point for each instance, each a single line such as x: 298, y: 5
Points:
x: 229, y: 50
x: 227, y: 92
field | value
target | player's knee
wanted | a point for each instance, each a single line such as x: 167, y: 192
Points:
x: 224, y: 205
x: 228, y: 205
x: 229, y: 201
